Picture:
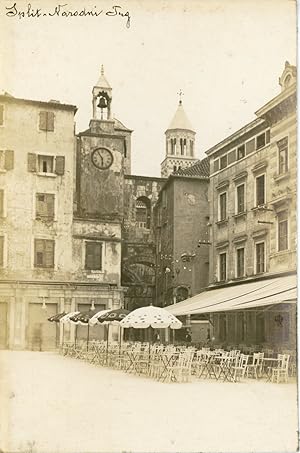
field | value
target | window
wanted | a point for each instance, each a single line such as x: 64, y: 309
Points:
x: 191, y: 147
x: 240, y: 262
x: 93, y: 256
x: 216, y: 165
x: 1, y: 251
x: 6, y: 160
x: 182, y: 146
x: 240, y: 199
x: 268, y: 136
x: 142, y: 212
x: 250, y: 146
x: 283, y: 155
x: 223, y: 162
x: 231, y: 157
x: 222, y: 267
x: 44, y: 253
x: 44, y: 206
x: 223, y: 206
x: 260, y: 190
x: 260, y: 141
x: 282, y: 219
x: 1, y: 202
x: 45, y: 164
x: 46, y: 121
x: 1, y: 115
x: 260, y: 257
x: 241, y: 152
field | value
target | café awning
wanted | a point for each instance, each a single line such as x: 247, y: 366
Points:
x: 268, y: 291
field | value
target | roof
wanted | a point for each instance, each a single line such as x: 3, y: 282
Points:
x: 200, y: 168
x: 240, y: 132
x: 102, y: 82
x: 53, y: 104
x: 119, y: 125
x: 180, y: 120
x: 267, y: 291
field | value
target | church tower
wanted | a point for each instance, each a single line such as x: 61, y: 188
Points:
x: 103, y: 159
x: 180, y: 144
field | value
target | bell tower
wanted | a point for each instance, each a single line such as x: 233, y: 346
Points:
x: 102, y: 97
x: 180, y: 143
x: 103, y: 159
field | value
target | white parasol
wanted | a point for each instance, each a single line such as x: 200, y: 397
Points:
x: 156, y: 317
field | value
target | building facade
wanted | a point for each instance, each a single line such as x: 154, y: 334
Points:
x: 36, y: 181
x: 252, y: 199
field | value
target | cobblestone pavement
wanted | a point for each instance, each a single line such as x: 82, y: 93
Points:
x: 53, y: 404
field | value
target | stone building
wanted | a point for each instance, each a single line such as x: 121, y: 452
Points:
x: 252, y: 199
x: 138, y: 246
x: 36, y: 203
x: 181, y: 226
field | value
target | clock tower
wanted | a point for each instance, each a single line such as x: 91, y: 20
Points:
x: 103, y: 159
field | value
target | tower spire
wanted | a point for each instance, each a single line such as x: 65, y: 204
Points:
x: 102, y: 70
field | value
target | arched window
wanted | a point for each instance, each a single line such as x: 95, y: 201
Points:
x: 181, y: 147
x: 184, y: 146
x: 191, y: 147
x: 174, y: 168
x: 143, y: 212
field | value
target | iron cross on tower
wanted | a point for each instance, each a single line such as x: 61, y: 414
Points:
x: 180, y: 94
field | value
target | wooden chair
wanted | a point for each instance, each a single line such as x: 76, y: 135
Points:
x: 239, y: 369
x: 282, y: 371
x: 254, y: 369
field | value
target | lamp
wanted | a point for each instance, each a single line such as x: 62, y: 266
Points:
x: 44, y: 306
x: 92, y: 305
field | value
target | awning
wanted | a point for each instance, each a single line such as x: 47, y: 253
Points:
x: 278, y: 290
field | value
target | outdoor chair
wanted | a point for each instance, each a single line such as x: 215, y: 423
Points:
x: 254, y: 369
x: 282, y: 371
x: 239, y: 369
x: 181, y: 369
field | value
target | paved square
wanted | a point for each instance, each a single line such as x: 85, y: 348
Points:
x: 49, y: 403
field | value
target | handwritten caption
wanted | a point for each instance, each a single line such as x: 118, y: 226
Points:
x: 63, y: 10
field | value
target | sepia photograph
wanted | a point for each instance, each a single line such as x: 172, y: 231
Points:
x: 148, y: 230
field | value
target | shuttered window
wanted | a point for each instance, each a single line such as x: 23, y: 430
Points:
x: 60, y: 165
x: 93, y: 256
x: 6, y: 159
x: 46, y: 121
x: 223, y: 206
x: 1, y: 202
x: 282, y: 230
x: 260, y: 257
x: 240, y: 198
x: 45, y: 206
x: 260, y: 190
x: 44, y: 253
x: 1, y: 251
x: 9, y: 160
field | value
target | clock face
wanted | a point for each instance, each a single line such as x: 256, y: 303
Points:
x: 102, y: 158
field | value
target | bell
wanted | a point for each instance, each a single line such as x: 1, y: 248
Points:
x: 102, y: 103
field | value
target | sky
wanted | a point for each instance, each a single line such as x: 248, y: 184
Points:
x: 225, y: 55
